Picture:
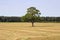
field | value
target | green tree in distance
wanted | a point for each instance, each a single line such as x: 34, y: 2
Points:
x: 31, y: 15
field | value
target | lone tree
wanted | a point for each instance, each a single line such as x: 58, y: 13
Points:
x: 32, y: 15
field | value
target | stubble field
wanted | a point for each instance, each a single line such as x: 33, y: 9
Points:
x: 24, y: 31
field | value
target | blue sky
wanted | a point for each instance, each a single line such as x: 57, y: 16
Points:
x: 19, y: 7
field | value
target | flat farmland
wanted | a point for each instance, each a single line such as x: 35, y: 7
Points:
x: 24, y: 31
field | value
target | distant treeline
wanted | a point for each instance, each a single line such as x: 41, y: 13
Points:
x: 18, y: 19
x: 10, y: 19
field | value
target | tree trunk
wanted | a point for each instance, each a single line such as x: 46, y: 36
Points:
x: 32, y: 24
x: 32, y: 20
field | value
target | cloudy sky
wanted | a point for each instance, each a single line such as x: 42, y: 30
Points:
x: 18, y: 7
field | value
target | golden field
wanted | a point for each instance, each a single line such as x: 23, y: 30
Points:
x: 24, y: 31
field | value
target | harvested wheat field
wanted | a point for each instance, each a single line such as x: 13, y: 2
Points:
x: 24, y: 31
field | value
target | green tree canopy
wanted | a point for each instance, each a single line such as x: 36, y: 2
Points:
x: 32, y: 15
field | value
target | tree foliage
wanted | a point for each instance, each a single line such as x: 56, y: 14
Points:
x: 31, y: 15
